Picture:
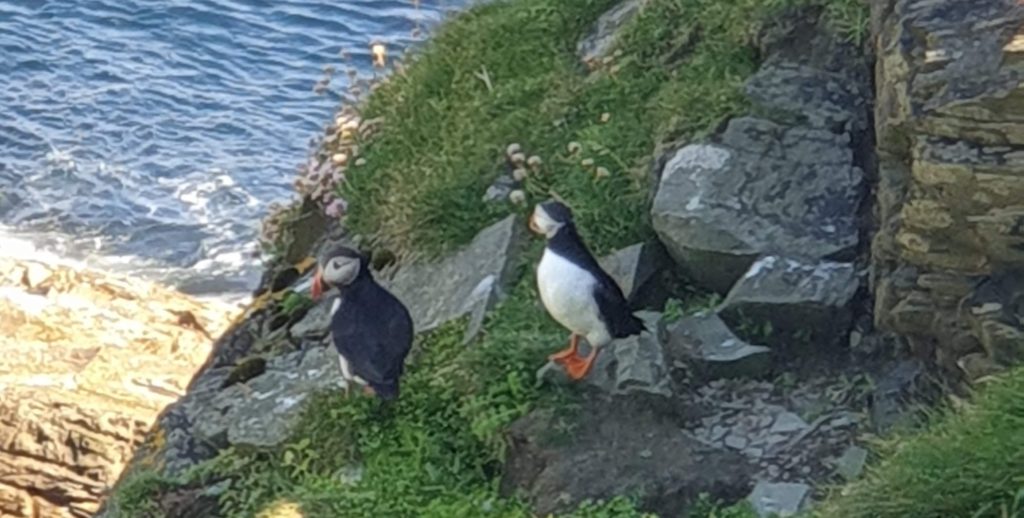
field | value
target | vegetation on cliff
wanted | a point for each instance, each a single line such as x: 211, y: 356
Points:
x: 966, y: 463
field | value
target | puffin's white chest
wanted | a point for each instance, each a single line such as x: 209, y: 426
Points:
x: 346, y: 370
x: 567, y: 292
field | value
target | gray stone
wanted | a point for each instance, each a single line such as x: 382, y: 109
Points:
x: 601, y: 37
x: 500, y: 189
x: 440, y: 291
x: 781, y: 89
x: 755, y: 452
x: 315, y: 323
x: 895, y: 389
x: 766, y: 188
x: 788, y: 422
x: 778, y: 498
x: 736, y: 442
x: 637, y: 269
x: 554, y: 472
x: 706, y: 344
x: 718, y: 432
x: 626, y: 366
x: 851, y: 464
x: 263, y: 411
x: 795, y: 295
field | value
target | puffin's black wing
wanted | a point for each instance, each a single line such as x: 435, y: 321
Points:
x: 374, y: 332
x: 613, y: 306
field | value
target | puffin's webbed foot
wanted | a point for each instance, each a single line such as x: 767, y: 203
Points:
x: 368, y: 390
x: 577, y: 368
x: 568, y: 352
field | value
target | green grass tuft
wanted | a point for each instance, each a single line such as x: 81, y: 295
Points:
x: 968, y: 463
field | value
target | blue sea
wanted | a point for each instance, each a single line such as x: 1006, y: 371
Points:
x: 148, y: 137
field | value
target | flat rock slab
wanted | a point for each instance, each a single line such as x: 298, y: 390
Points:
x: 711, y: 350
x: 616, y: 448
x: 316, y: 322
x: 796, y: 295
x: 631, y: 365
x: 464, y: 283
x: 778, y: 498
x: 637, y: 269
x: 263, y: 411
x: 765, y: 188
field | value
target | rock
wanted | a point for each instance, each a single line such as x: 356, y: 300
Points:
x: 85, y: 371
x: 766, y: 188
x: 35, y: 274
x: 629, y: 365
x: 263, y: 411
x: 440, y: 291
x: 788, y: 422
x: 736, y: 442
x: 778, y: 498
x: 786, y: 180
x: 795, y: 296
x: 851, y: 464
x: 598, y: 42
x: 895, y: 389
x: 712, y: 351
x: 977, y: 366
x: 316, y: 322
x: 949, y: 151
x: 500, y: 189
x: 616, y: 448
x: 638, y: 269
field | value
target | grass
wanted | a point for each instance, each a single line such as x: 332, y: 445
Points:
x: 503, y: 72
x: 968, y: 463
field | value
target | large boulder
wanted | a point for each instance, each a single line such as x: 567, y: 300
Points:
x: 787, y: 180
x: 950, y: 156
x: 616, y: 448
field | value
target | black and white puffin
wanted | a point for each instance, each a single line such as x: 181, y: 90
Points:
x: 576, y: 291
x: 370, y: 327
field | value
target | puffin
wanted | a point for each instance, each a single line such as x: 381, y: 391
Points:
x: 371, y: 329
x: 576, y: 292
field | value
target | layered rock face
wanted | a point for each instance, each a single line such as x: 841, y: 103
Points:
x: 88, y: 362
x: 950, y: 126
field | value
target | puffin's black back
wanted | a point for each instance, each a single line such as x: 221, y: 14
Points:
x: 372, y: 329
x: 611, y: 302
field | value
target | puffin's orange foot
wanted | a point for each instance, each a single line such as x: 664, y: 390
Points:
x: 368, y: 390
x: 577, y: 368
x: 568, y: 352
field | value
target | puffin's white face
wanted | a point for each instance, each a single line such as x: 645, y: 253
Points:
x: 341, y: 270
x: 542, y: 223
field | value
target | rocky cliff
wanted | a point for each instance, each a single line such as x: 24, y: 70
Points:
x: 89, y: 361
x: 950, y: 245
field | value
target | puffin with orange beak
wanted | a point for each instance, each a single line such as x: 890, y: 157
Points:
x: 370, y: 327
x: 576, y: 292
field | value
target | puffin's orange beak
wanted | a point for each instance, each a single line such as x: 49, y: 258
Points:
x: 318, y: 286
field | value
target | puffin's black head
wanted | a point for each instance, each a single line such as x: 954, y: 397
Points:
x: 549, y: 217
x: 339, y: 267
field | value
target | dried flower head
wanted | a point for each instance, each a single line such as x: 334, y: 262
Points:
x: 517, y: 197
x: 534, y: 162
x: 574, y: 147
x: 512, y: 149
x: 519, y: 174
